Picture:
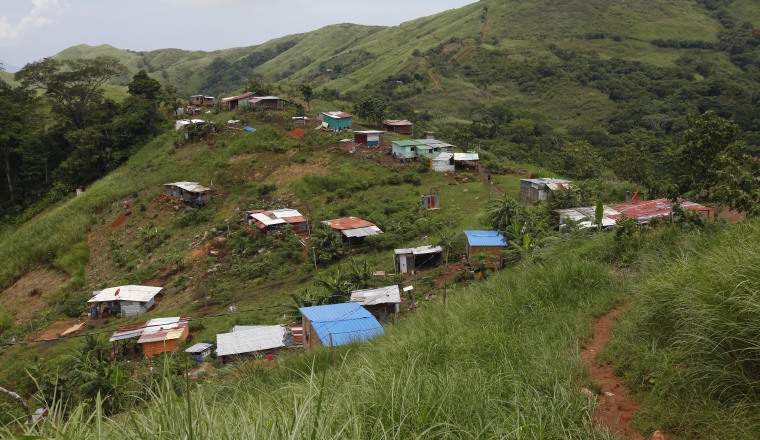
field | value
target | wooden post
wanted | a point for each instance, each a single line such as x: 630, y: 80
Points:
x: 332, y: 350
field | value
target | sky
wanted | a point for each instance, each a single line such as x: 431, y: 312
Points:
x: 33, y: 29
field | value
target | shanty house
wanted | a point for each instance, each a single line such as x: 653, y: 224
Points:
x: 442, y: 163
x: 486, y: 242
x: 338, y: 121
x: 406, y: 149
x: 338, y: 324
x: 411, y: 259
x: 643, y: 211
x: 398, y: 126
x: 380, y: 302
x: 352, y: 230
x: 190, y: 192
x: 163, y: 335
x: 185, y: 123
x: 431, y: 148
x: 124, y: 300
x: 431, y: 201
x: 370, y: 138
x: 540, y: 189
x: 201, y: 100
x: 468, y: 160
x: 156, y: 336
x: 277, y: 219
x: 233, y: 102
x: 199, y: 351
x: 248, y: 341
x: 300, y: 121
x: 266, y: 102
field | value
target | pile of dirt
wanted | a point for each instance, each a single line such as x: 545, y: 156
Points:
x: 27, y: 296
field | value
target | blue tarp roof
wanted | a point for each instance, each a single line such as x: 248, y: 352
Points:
x: 247, y: 128
x: 347, y: 322
x: 485, y: 238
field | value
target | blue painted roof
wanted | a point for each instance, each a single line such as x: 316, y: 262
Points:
x: 485, y: 238
x: 347, y: 322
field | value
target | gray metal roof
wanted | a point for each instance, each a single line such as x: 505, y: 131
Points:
x: 362, y: 232
x: 199, y: 347
x: 422, y: 250
x: 189, y: 186
x: 141, y: 294
x: 250, y: 341
x: 381, y: 295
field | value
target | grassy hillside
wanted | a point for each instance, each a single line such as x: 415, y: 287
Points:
x: 501, y: 359
x: 429, y: 62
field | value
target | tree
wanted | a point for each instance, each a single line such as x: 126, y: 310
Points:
x: 500, y: 214
x: 144, y: 86
x: 307, y: 92
x: 72, y: 86
x: 580, y: 160
x: 16, y: 125
x: 704, y: 140
x: 737, y: 180
x: 371, y: 108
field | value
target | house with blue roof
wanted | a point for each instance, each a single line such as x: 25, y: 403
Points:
x: 337, y: 324
x: 486, y: 242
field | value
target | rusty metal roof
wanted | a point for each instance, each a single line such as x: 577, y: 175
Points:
x: 154, y: 326
x: 397, y: 122
x: 337, y: 114
x: 189, y: 186
x: 235, y: 98
x: 341, y: 224
x: 643, y: 211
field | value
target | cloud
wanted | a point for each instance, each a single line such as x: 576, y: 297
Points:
x: 40, y: 15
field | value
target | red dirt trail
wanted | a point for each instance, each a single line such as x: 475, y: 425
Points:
x: 615, y: 410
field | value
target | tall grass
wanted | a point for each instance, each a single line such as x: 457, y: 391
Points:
x: 499, y: 361
x: 692, y: 337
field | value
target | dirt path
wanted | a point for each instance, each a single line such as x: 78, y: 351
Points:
x: 614, y: 410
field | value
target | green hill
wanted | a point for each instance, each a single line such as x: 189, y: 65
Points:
x: 563, y: 63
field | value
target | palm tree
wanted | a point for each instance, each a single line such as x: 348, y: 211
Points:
x: 500, y: 214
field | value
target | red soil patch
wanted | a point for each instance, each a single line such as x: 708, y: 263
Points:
x: 118, y: 221
x: 55, y: 329
x: 615, y: 410
x: 296, y: 133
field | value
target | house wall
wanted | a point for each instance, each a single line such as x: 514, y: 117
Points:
x: 383, y: 311
x: 493, y: 250
x: 337, y: 124
x: 134, y: 308
x: 403, y: 152
x: 399, y: 129
x: 441, y: 166
x: 151, y: 349
x: 310, y: 337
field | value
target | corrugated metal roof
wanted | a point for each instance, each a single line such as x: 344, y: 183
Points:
x: 422, y: 250
x: 153, y: 326
x: 126, y: 293
x: 468, y: 156
x: 546, y: 181
x: 250, y: 341
x: 485, y: 238
x: 347, y: 223
x: 397, y: 122
x: 199, y: 347
x: 643, y: 211
x: 369, y: 131
x: 189, y: 186
x: 406, y: 143
x: 337, y: 114
x: 381, y: 295
x: 163, y: 329
x: 443, y: 157
x: 235, y: 98
x: 361, y: 232
x: 346, y: 323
